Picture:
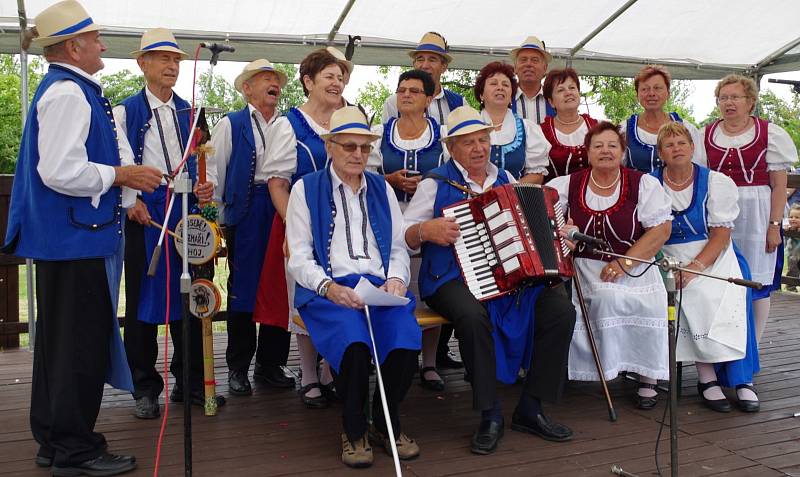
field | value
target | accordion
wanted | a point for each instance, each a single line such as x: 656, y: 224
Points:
x: 509, y: 237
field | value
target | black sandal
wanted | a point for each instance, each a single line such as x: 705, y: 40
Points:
x: 719, y: 405
x: 318, y: 402
x: 432, y: 384
x: 747, y: 405
x: 646, y: 403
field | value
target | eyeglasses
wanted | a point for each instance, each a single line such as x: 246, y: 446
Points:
x: 351, y: 147
x: 734, y: 98
x: 655, y: 89
x: 412, y: 90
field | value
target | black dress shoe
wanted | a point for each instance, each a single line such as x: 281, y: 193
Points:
x: 748, y: 405
x: 646, y: 403
x: 448, y: 361
x: 485, y: 439
x: 272, y: 375
x: 719, y: 405
x: 146, y: 408
x: 319, y: 402
x: 541, y: 426
x: 238, y: 384
x: 104, y: 465
x: 432, y: 384
x: 198, y: 397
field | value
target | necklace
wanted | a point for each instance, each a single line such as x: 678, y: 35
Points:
x: 677, y: 184
x: 579, y: 119
x: 647, y: 124
x: 613, y: 183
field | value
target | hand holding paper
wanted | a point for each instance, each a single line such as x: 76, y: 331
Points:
x: 373, y: 296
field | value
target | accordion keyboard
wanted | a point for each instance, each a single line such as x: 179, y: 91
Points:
x: 475, y: 252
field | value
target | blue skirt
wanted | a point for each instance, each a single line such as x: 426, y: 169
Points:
x: 251, y: 236
x: 741, y: 371
x: 512, y: 318
x: 333, y: 328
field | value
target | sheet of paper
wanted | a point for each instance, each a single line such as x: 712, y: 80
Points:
x: 373, y: 296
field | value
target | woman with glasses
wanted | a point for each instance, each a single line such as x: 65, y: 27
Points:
x: 409, y: 147
x: 756, y: 154
x: 518, y: 145
x: 297, y: 149
x: 567, y: 129
x: 716, y: 325
x: 652, y: 86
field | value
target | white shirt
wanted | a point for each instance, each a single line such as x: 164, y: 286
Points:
x: 420, y: 208
x: 375, y: 160
x: 64, y: 117
x: 576, y: 137
x: 281, y: 161
x: 438, y: 109
x: 222, y: 144
x: 153, y: 153
x: 646, y: 137
x: 537, y: 147
x: 781, y: 151
x: 534, y: 109
x: 722, y: 200
x: 354, y: 249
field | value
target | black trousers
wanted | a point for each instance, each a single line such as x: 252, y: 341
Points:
x: 70, y: 359
x: 141, y: 339
x: 352, y: 385
x: 553, y: 325
x: 271, y: 347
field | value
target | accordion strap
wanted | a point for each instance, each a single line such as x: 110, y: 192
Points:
x: 453, y: 183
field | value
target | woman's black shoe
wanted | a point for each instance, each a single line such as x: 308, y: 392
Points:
x: 719, y: 405
x: 745, y: 404
x: 646, y: 403
x: 432, y: 384
x: 329, y: 392
x: 318, y: 402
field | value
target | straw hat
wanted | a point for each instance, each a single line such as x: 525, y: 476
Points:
x: 158, y: 39
x: 340, y: 56
x: 253, y: 68
x: 532, y: 43
x: 432, y: 43
x: 464, y: 120
x: 62, y: 21
x: 349, y: 120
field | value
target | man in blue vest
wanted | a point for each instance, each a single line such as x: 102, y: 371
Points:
x: 156, y: 123
x: 344, y: 225
x: 240, y: 143
x: 495, y: 335
x: 66, y: 213
x: 530, y: 65
x: 430, y: 56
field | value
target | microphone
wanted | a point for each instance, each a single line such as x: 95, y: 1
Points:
x: 575, y: 236
x: 217, y: 47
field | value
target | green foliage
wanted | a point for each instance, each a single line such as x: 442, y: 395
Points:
x: 292, y: 93
x: 784, y: 114
x: 372, y: 95
x: 10, y: 109
x: 218, y: 93
x: 461, y: 82
x: 121, y: 85
x: 618, y: 98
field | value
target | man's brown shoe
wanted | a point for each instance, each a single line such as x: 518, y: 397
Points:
x: 407, y: 448
x: 356, y: 454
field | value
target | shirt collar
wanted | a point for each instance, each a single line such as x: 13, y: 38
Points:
x: 79, y: 71
x: 336, y: 181
x: 440, y: 95
x: 491, y: 176
x: 156, y: 103
x: 509, y: 127
x: 252, y: 109
x: 521, y: 93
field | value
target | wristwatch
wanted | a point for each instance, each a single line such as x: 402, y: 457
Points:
x: 776, y: 223
x: 323, y: 288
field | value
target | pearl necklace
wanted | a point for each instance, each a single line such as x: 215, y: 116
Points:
x: 570, y: 123
x: 613, y: 183
x: 676, y: 184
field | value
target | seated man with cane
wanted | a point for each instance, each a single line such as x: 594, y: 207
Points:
x: 498, y: 336
x: 342, y: 224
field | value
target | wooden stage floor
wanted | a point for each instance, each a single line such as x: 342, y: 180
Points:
x: 272, y: 434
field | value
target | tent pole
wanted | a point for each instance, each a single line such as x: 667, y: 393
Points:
x: 339, y: 21
x: 776, y: 54
x: 602, y: 27
x: 23, y: 100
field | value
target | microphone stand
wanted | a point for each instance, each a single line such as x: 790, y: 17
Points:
x: 669, y: 265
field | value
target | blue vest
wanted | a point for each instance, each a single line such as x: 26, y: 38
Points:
x: 241, y: 167
x: 47, y: 225
x: 137, y: 122
x: 454, y: 100
x: 689, y: 225
x: 640, y: 156
x: 511, y: 156
x: 438, y: 262
x: 549, y: 111
x: 319, y: 199
x: 311, y: 154
x: 422, y: 160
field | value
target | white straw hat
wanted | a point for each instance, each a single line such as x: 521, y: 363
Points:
x: 532, y: 43
x: 432, y: 43
x: 253, y: 68
x: 158, y: 39
x: 349, y: 120
x: 464, y: 120
x: 62, y: 21
x: 340, y: 56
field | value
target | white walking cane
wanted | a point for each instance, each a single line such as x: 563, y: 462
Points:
x: 382, y: 390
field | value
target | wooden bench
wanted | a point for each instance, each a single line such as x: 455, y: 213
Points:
x: 425, y: 317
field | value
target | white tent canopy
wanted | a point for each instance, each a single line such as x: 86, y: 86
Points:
x: 697, y: 39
